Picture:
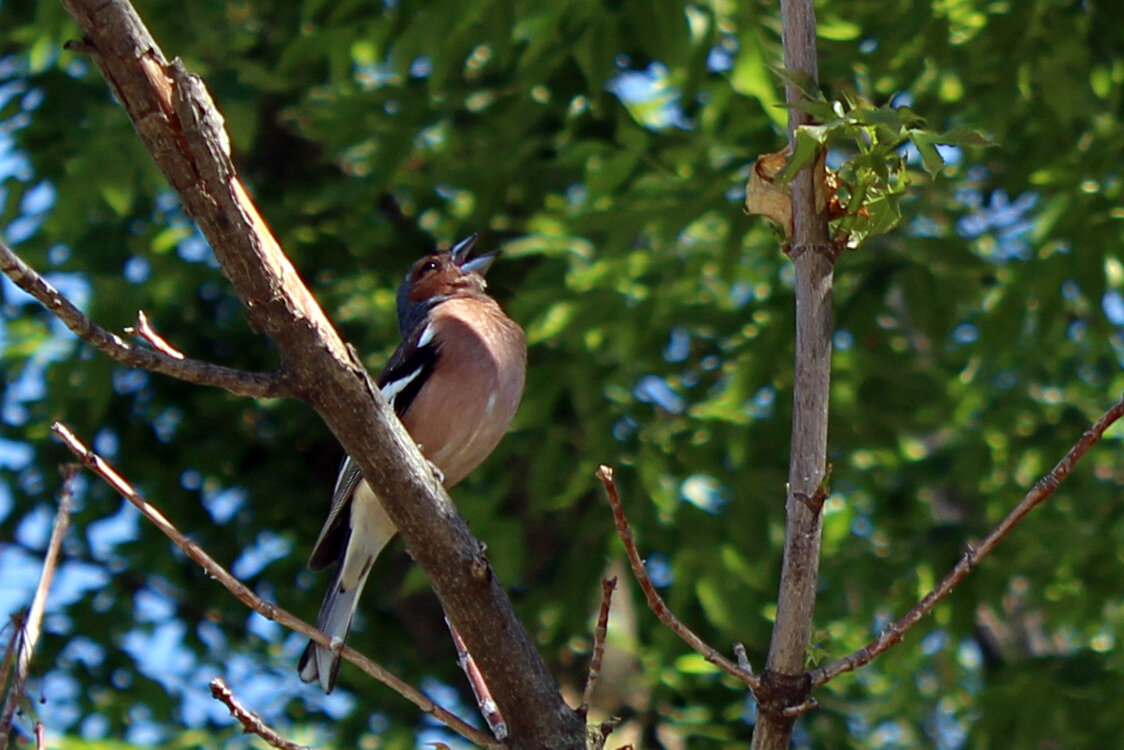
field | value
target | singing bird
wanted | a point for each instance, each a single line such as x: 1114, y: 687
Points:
x: 455, y: 381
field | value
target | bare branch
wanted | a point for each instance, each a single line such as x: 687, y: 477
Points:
x: 144, y: 330
x: 96, y: 464
x: 1043, y: 489
x: 238, y: 382
x: 791, y: 712
x: 17, y: 620
x: 27, y: 636
x: 484, y: 700
x: 599, y: 735
x: 655, y: 602
x: 742, y: 657
x: 250, y: 721
x: 608, y: 585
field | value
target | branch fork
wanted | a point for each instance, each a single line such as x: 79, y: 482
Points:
x: 787, y: 695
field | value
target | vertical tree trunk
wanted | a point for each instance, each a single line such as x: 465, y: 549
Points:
x: 786, y: 684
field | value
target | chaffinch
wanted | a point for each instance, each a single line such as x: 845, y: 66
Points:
x: 455, y: 381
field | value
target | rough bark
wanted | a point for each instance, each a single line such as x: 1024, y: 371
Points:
x: 174, y: 116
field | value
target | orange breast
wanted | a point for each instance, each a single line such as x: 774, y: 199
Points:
x: 479, y: 379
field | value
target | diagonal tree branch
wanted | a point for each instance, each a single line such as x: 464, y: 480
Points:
x: 655, y: 601
x: 16, y: 622
x: 197, y: 554
x: 600, y: 632
x: 250, y: 721
x: 1043, y: 489
x: 27, y: 632
x: 484, y: 700
x: 238, y: 382
x: 143, y: 329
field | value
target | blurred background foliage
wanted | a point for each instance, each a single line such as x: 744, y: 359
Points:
x: 604, y: 146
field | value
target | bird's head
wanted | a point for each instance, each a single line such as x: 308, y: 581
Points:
x: 441, y: 275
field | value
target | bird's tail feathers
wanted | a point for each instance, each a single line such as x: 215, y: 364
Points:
x: 321, y: 664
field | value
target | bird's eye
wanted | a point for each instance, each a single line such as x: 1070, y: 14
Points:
x: 428, y: 267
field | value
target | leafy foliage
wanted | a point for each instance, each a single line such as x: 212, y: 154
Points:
x: 873, y: 175
x: 603, y: 146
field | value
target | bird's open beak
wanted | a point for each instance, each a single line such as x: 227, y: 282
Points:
x: 463, y: 249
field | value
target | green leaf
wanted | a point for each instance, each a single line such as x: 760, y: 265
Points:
x: 809, y: 140
x: 930, y: 157
x: 963, y: 136
x: 801, y: 80
x: 714, y: 604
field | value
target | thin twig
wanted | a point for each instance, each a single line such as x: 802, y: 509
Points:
x: 484, y: 700
x: 12, y: 696
x: 608, y: 585
x: 144, y: 330
x: 1044, y: 488
x: 250, y: 721
x: 28, y: 635
x: 266, y: 609
x: 10, y: 651
x: 655, y: 602
x: 742, y: 657
x: 800, y: 708
x: 599, y: 735
x: 238, y: 382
